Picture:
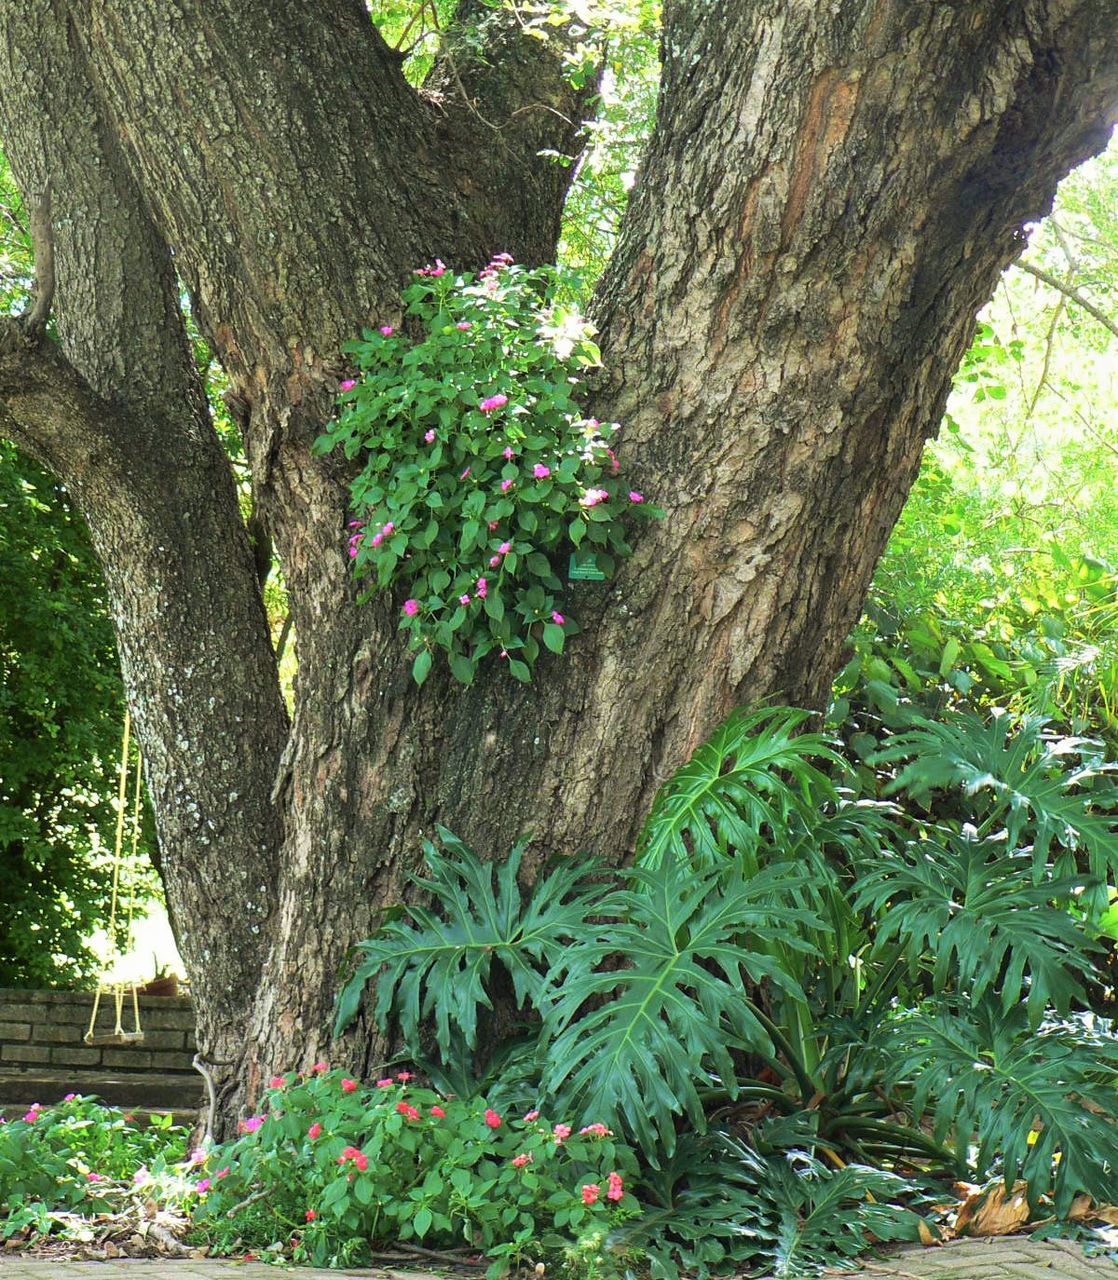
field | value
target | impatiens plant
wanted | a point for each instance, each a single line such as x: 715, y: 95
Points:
x: 329, y: 1174
x: 480, y: 476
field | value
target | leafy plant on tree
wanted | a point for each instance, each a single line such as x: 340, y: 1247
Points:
x: 480, y: 475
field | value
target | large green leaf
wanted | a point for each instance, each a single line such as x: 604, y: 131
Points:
x: 970, y: 909
x: 641, y: 1021
x: 752, y: 775
x: 1018, y: 1096
x: 437, y: 963
x: 1049, y: 792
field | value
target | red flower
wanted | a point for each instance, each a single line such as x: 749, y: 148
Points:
x: 407, y: 1110
x: 310, y: 1215
x: 492, y: 1119
x: 314, y: 1131
x: 276, y: 1082
x: 349, y: 1086
x: 361, y: 1161
x: 590, y: 1193
x: 404, y: 1077
x: 437, y: 1113
x: 616, y: 1190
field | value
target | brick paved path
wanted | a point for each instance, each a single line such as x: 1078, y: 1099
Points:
x: 1004, y: 1259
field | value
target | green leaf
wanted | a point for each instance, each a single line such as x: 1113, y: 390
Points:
x: 427, y: 967
x: 553, y: 637
x: 421, y: 666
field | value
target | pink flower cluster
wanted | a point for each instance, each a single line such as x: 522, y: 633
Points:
x: 493, y: 402
x: 591, y: 1191
x: 595, y: 1131
x: 360, y: 1160
x: 592, y: 497
x: 496, y: 264
x: 251, y: 1124
x: 407, y: 1111
x: 439, y: 269
x: 502, y: 551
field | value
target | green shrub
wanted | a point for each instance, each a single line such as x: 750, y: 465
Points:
x: 336, y: 1170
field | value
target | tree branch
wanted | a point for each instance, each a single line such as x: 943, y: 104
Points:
x: 1071, y: 293
x: 42, y: 243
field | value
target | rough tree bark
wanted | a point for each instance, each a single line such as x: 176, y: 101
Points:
x: 827, y: 199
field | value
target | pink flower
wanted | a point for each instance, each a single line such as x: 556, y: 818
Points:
x: 509, y: 455
x: 506, y: 485
x: 463, y: 325
x: 430, y: 435
x: 378, y: 538
x: 276, y: 1082
x: 385, y: 1083
x: 222, y: 1173
x: 309, y: 1216
x: 141, y: 1176
x: 502, y: 260
x: 314, y: 1131
x: 197, y: 1156
x: 465, y: 473
x: 558, y: 619
x: 411, y: 608
x: 561, y: 1133
x: 464, y: 600
x: 347, y: 385
x: 407, y: 1111
x: 494, y: 562
x: 493, y: 402
x: 386, y: 331
x: 349, y: 1086
x: 351, y: 1153
x: 482, y: 588
x: 540, y: 472
x: 403, y: 1076
x: 30, y: 1117
x: 518, y: 1162
x: 532, y: 1115
x: 595, y: 1131
x: 492, y: 1119
x: 388, y: 528
x: 251, y: 1124
x: 616, y: 1190
x: 592, y: 497
x: 437, y: 1113
x: 634, y: 496
x: 504, y: 548
x: 319, y: 1069
x: 70, y: 1098
x: 493, y: 524
x: 355, y: 545
x: 100, y: 1177
x: 439, y: 269
x: 616, y: 466
x: 361, y: 1161
x: 590, y: 1193
x: 203, y: 1186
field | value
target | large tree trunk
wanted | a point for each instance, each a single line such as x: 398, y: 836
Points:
x: 827, y: 200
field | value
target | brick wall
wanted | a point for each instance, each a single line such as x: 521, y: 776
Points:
x: 43, y: 1030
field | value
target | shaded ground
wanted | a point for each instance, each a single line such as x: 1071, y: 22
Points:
x: 1000, y: 1259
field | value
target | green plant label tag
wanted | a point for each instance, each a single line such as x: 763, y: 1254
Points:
x: 584, y: 568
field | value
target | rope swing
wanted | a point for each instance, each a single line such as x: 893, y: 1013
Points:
x: 104, y: 987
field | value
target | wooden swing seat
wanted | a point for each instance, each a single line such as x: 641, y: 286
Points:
x: 110, y: 1038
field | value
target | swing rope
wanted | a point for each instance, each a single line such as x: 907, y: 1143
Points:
x: 104, y: 987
